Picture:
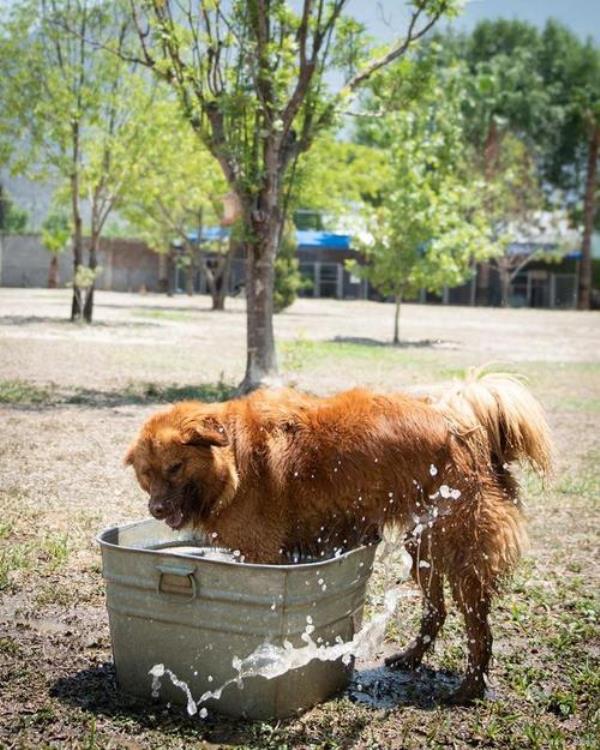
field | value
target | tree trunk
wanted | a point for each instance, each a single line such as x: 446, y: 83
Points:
x: 88, y: 308
x: 491, y: 151
x: 171, y: 273
x: 585, y: 268
x: 189, y: 273
x: 261, y: 362
x: 53, y: 277
x: 76, y: 304
x: 398, y: 301
x: 504, y: 286
x: 218, y: 279
x: 223, y: 281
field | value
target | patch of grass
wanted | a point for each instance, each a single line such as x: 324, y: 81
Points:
x: 9, y: 646
x: 51, y: 593
x: 47, y: 554
x: 303, y: 354
x: 582, y: 485
x: 579, y: 404
x: 55, y: 550
x: 12, y: 560
x: 141, y: 392
x: 161, y: 314
x: 22, y: 392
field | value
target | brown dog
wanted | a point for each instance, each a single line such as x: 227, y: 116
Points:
x: 280, y: 471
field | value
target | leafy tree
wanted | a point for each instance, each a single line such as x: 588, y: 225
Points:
x: 571, y: 72
x: 338, y: 177
x: 174, y: 188
x: 13, y: 220
x: 67, y: 107
x: 545, y: 89
x: 56, y: 232
x: 430, y: 228
x: 250, y: 78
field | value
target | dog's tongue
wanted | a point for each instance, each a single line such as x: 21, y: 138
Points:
x: 175, y: 519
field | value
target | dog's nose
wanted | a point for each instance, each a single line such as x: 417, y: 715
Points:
x: 157, y: 508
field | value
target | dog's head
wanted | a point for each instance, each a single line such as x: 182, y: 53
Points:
x: 183, y: 460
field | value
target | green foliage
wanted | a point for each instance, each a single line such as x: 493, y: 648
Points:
x: 288, y: 279
x: 73, y: 109
x: 338, y: 177
x: 56, y: 232
x: 543, y: 87
x: 175, y: 184
x: 429, y: 228
x: 85, y: 277
x: 13, y: 219
x: 571, y: 73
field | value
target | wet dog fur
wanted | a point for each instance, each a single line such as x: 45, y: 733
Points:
x: 281, y: 471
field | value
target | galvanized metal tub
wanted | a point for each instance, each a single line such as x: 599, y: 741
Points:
x: 194, y: 615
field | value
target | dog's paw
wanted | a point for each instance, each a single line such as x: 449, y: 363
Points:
x: 406, y: 661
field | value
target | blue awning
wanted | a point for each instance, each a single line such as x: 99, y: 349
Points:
x: 209, y: 234
x: 330, y: 240
x: 528, y: 248
x: 305, y: 238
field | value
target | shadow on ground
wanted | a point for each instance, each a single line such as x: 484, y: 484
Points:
x: 30, y: 396
x: 95, y: 690
x: 146, y: 307
x: 409, y: 344
x: 24, y: 320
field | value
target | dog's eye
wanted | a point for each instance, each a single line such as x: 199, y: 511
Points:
x: 174, y: 468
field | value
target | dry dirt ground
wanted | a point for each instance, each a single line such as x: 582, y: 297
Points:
x: 72, y: 397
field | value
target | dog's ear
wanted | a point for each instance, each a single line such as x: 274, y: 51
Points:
x: 129, y: 457
x: 205, y: 431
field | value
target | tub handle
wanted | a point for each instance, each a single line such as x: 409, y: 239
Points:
x: 182, y: 571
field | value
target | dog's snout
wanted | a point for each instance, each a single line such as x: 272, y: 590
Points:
x: 157, y: 507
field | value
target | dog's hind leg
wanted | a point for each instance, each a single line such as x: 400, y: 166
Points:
x: 474, y: 603
x: 431, y: 582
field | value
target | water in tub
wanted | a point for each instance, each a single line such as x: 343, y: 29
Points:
x: 272, y: 661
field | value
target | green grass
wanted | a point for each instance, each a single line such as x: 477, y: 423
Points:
x: 13, y: 559
x: 23, y: 392
x: 55, y: 550
x: 160, y: 314
x: 579, y: 404
x: 303, y: 354
x: 46, y: 554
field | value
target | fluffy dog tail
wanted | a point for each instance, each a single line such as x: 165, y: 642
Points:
x: 495, y: 412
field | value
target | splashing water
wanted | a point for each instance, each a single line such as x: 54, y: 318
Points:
x: 270, y: 661
x: 158, y: 671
